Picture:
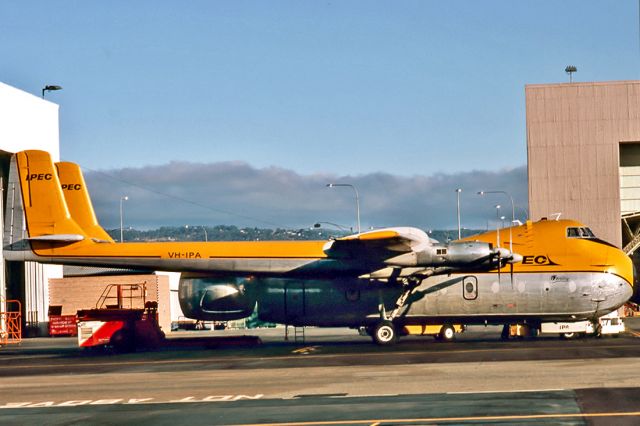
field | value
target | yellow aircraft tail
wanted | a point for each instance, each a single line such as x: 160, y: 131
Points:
x: 78, y: 201
x: 34, y: 193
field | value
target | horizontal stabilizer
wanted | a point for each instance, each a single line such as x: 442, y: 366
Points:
x: 65, y: 238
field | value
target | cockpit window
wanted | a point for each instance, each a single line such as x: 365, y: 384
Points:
x: 588, y: 233
x: 575, y: 232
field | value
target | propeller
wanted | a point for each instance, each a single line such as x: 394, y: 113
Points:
x: 502, y: 254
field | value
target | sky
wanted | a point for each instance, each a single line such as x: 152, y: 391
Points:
x: 406, y: 100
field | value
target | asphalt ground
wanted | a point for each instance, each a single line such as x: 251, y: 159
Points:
x: 334, y: 377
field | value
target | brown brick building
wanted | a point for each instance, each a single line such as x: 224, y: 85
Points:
x: 75, y: 293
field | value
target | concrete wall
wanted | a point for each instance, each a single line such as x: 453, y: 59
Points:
x: 573, y: 136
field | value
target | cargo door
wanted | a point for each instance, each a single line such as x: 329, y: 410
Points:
x: 294, y: 303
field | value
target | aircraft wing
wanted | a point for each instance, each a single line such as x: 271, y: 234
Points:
x: 378, y: 245
x: 406, y: 247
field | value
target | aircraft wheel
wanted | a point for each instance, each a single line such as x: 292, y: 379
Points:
x: 384, y: 333
x: 447, y: 333
x: 568, y: 336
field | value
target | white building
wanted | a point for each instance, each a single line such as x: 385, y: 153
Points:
x: 26, y: 122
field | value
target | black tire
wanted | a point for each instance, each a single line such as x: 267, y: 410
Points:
x: 123, y: 341
x: 568, y: 336
x: 505, y: 332
x: 384, y: 333
x: 447, y: 333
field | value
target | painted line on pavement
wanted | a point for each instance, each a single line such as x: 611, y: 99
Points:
x: 381, y: 422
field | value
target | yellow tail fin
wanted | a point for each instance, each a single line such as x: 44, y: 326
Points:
x: 78, y: 201
x: 35, y: 188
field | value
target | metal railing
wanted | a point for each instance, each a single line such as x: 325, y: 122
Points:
x: 11, y: 323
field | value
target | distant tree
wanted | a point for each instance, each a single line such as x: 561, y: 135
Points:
x: 233, y: 233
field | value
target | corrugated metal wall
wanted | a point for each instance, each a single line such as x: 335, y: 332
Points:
x: 573, y: 136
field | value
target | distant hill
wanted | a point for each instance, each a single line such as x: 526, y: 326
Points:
x: 233, y: 233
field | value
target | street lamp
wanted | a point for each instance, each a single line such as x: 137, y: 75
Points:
x: 458, y: 191
x: 570, y: 69
x: 513, y: 213
x: 333, y: 185
x: 498, y: 224
x: 122, y: 199
x: 49, y: 88
x: 340, y: 227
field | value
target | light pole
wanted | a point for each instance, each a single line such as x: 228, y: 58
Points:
x: 333, y: 185
x: 49, y: 88
x: 458, y: 191
x: 513, y: 213
x: 570, y: 69
x: 206, y: 237
x: 498, y: 224
x: 122, y: 199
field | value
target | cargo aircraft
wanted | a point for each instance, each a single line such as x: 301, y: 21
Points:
x: 383, y: 280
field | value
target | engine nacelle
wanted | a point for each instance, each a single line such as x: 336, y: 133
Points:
x: 216, y: 299
x: 454, y: 254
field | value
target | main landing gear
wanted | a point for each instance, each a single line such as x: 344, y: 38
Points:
x: 384, y: 332
x: 447, y: 333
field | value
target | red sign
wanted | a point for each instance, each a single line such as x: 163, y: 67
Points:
x: 63, y: 325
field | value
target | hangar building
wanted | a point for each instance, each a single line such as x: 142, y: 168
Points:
x: 583, y: 146
x: 26, y: 122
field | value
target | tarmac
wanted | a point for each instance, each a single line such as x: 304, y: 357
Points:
x: 334, y: 377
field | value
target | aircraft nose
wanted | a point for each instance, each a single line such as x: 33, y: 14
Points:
x: 621, y: 265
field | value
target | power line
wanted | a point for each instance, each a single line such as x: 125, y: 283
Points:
x: 184, y: 200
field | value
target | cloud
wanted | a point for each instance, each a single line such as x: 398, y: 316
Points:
x: 235, y: 193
